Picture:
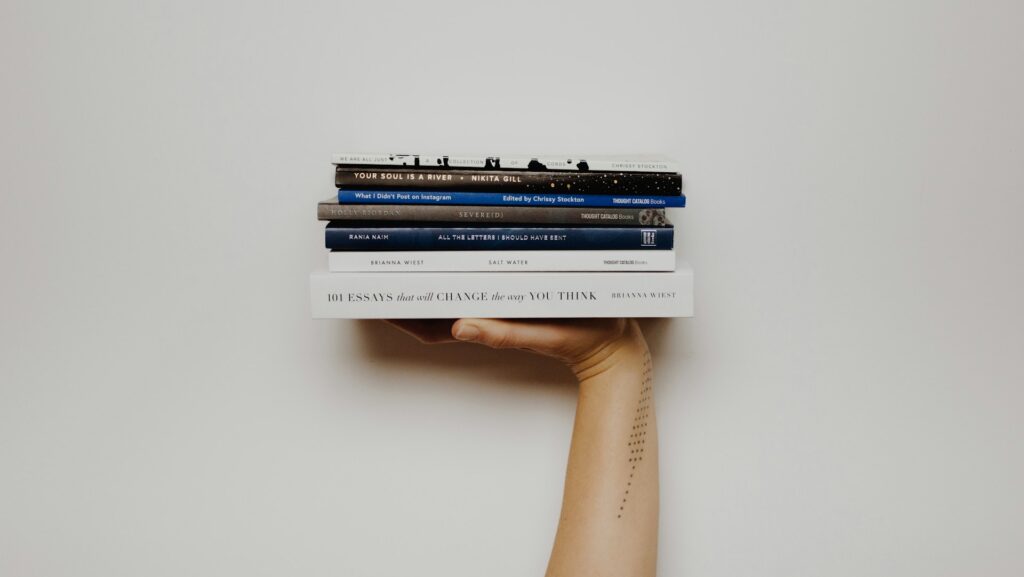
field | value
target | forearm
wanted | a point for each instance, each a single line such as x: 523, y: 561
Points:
x: 609, y: 520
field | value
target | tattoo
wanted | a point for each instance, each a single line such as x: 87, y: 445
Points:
x: 638, y: 434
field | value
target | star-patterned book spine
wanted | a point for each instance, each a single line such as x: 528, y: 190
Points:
x: 534, y: 182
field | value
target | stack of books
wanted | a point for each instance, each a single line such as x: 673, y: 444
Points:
x: 422, y: 236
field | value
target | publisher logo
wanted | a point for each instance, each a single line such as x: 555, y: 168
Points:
x: 647, y: 237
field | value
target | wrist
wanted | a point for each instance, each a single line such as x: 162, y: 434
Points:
x: 627, y: 351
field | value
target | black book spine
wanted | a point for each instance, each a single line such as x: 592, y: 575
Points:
x: 332, y: 210
x: 610, y: 183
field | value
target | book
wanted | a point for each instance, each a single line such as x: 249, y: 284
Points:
x: 397, y: 295
x: 376, y: 236
x: 348, y: 196
x: 529, y: 181
x: 331, y: 209
x: 597, y: 163
x: 504, y: 260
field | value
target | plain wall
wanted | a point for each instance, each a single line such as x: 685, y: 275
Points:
x: 846, y: 402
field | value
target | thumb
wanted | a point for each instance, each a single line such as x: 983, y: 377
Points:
x: 506, y: 334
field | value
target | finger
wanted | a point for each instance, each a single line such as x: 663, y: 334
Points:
x: 425, y: 330
x: 544, y: 338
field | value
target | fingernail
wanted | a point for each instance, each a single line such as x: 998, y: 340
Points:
x: 467, y: 333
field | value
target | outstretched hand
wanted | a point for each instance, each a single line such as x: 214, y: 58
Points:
x: 609, y: 520
x: 585, y: 345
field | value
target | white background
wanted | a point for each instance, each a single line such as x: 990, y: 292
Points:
x: 846, y: 402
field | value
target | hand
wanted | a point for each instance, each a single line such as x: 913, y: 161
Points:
x: 587, y: 346
x: 614, y: 422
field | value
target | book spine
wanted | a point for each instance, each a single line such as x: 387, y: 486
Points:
x: 614, y: 183
x: 506, y: 199
x: 501, y: 295
x: 339, y: 236
x: 510, y: 162
x: 495, y: 261
x: 491, y: 214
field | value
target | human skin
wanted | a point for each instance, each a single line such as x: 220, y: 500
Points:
x: 609, y: 519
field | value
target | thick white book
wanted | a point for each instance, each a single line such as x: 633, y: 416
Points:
x: 597, y: 163
x: 503, y: 260
x: 419, y: 295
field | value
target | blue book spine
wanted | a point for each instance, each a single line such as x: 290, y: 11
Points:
x: 350, y: 196
x: 343, y: 236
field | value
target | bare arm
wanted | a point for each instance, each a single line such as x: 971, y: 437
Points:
x: 609, y: 519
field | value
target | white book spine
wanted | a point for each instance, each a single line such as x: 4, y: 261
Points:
x: 501, y: 295
x: 599, y: 163
x: 504, y: 260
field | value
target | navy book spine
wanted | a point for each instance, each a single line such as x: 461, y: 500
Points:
x: 350, y: 196
x: 373, y: 237
x: 612, y: 183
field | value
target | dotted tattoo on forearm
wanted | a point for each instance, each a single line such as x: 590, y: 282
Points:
x: 638, y: 433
